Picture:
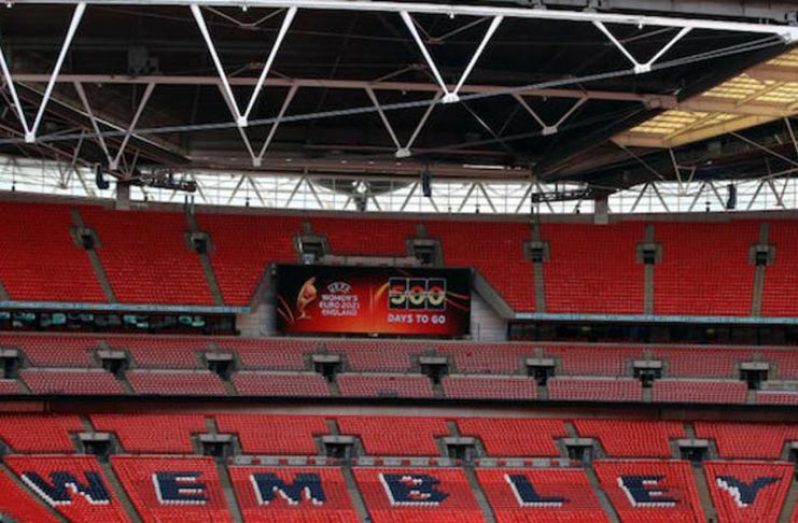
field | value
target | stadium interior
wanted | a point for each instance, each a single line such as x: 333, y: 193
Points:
x: 390, y: 261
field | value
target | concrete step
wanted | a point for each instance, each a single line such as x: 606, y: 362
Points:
x: 229, y: 493
x: 355, y: 495
x: 94, y: 260
x: 210, y: 277
x: 479, y: 495
x: 703, y: 494
x: 790, y: 502
x: 604, y: 501
x: 119, y: 492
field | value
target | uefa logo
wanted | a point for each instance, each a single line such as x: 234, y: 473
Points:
x: 339, y: 287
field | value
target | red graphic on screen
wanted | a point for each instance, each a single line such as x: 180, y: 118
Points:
x: 322, y: 299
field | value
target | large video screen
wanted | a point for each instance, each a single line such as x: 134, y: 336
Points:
x: 373, y: 300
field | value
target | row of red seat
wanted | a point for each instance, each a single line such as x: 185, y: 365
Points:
x: 148, y: 260
x: 391, y: 435
x: 283, y: 354
x: 172, y: 489
x: 378, y: 385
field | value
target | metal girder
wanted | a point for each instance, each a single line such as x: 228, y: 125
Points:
x: 641, y: 67
x: 450, y: 96
x: 587, y: 16
x: 242, y: 117
x: 655, y: 100
x: 32, y: 128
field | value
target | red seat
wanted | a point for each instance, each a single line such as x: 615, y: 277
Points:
x: 274, y: 434
x: 400, y: 505
x: 567, y: 496
x: 71, y: 381
x: 152, y: 432
x: 489, y: 387
x: 289, y: 384
x: 20, y: 504
x: 762, y: 496
x: 196, y: 477
x: 628, y: 482
x: 631, y: 439
x: 384, y: 385
x: 532, y: 437
x: 395, y: 435
x: 605, y: 258
x: 176, y: 383
x: 39, y: 432
x: 335, y: 505
x: 747, y: 440
x: 96, y: 502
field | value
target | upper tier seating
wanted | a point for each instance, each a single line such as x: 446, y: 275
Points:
x: 733, y: 504
x: 35, y: 246
x: 610, y: 279
x: 563, y: 495
x: 489, y: 387
x: 631, y: 439
x: 697, y: 262
x: 478, y: 244
x: 598, y: 389
x: 176, y: 383
x: 106, y: 506
x: 400, y: 505
x: 71, y: 381
x: 678, y: 503
x: 778, y: 297
x: 365, y: 237
x: 39, y: 432
x: 290, y: 384
x: 335, y: 506
x: 196, y: 474
x: 243, y: 247
x: 385, y: 385
x: 388, y: 436
x: 152, y: 432
x: 699, y: 391
x: 17, y: 504
x: 747, y: 440
x: 515, y: 437
x: 147, y: 258
x: 275, y: 434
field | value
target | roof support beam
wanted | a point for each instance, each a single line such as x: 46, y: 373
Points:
x: 31, y: 129
x: 402, y: 151
x: 241, y: 118
x: 787, y: 32
x: 643, y: 67
x: 453, y: 95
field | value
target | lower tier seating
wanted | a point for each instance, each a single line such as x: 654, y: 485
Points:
x: 405, y: 495
x: 651, y: 491
x: 540, y: 495
x: 522, y: 471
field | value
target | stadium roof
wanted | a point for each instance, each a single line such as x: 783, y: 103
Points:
x: 614, y: 93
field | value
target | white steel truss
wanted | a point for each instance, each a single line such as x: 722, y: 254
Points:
x: 32, y: 128
x: 775, y: 191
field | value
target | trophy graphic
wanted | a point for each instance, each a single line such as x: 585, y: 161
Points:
x: 307, y: 294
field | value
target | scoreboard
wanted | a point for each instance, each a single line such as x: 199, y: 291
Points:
x: 373, y: 300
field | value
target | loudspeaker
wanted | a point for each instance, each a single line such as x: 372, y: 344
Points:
x: 99, y: 178
x: 426, y: 184
x: 731, y: 202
